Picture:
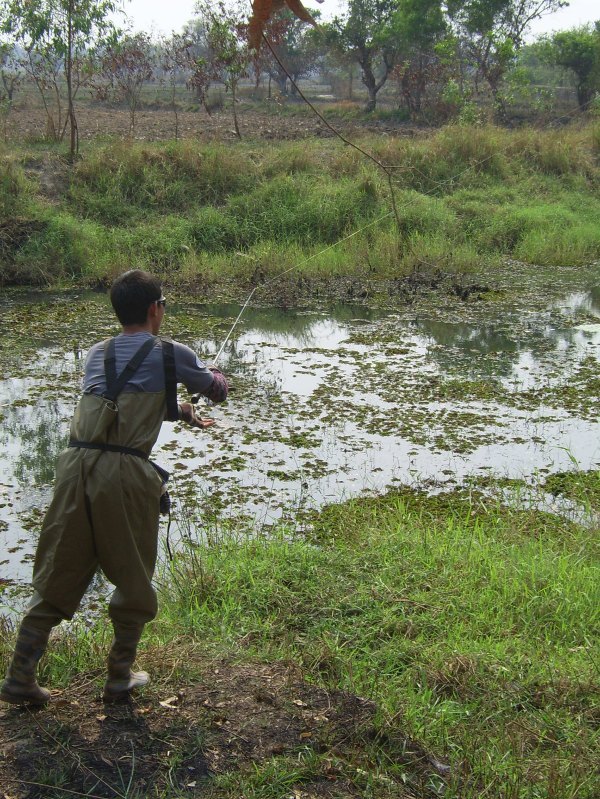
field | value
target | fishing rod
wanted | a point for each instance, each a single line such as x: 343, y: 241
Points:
x: 279, y: 275
x: 387, y: 169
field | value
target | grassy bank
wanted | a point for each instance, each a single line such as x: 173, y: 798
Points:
x: 205, y: 214
x: 469, y: 630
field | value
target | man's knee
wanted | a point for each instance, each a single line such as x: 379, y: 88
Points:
x: 41, y: 614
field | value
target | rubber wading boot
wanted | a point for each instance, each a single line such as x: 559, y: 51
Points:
x: 20, y: 686
x: 121, y: 680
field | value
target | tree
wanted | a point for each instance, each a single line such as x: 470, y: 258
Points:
x: 339, y: 70
x: 56, y: 35
x: 492, y: 31
x: 295, y: 47
x: 10, y: 71
x: 367, y: 32
x: 125, y: 66
x: 419, y: 26
x: 178, y: 62
x: 198, y: 79
x: 10, y: 77
x: 228, y: 57
x: 577, y: 49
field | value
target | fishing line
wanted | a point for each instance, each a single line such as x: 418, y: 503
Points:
x: 387, y: 169
x: 291, y: 269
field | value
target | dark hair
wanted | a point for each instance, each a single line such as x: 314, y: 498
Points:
x: 132, y: 294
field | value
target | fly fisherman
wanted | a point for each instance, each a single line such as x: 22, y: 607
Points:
x: 107, y: 494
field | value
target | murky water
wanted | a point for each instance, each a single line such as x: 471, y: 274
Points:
x: 325, y: 405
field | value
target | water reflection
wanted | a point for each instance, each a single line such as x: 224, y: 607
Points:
x: 473, y: 338
x: 34, y: 436
x: 325, y: 405
x: 583, y: 301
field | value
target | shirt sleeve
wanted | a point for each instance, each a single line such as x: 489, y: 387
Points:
x: 192, y: 372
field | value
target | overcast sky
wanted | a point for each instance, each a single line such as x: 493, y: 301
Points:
x: 164, y: 16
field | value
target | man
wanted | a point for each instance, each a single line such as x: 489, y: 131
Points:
x: 107, y: 494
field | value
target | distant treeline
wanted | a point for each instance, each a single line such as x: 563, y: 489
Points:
x: 433, y: 61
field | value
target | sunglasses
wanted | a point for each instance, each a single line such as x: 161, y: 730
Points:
x: 162, y: 302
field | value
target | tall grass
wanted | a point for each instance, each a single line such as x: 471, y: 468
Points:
x: 464, y: 195
x: 471, y: 623
x: 14, y: 188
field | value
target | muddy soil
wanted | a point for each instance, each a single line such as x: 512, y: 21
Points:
x: 231, y: 718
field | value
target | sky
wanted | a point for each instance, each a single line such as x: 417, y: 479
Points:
x: 163, y: 17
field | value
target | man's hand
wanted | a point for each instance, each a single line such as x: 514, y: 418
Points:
x: 187, y: 414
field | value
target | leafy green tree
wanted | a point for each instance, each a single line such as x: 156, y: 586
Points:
x: 367, y: 33
x: 419, y: 27
x: 577, y: 49
x: 56, y: 35
x: 492, y: 32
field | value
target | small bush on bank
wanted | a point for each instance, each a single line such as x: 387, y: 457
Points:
x: 569, y: 246
x: 64, y: 249
x: 507, y: 227
x: 301, y: 210
x: 115, y: 184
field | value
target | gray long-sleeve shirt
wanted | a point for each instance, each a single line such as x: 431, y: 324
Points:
x: 189, y: 369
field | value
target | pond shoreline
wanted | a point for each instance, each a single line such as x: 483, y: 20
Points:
x: 410, y: 642
x: 363, y: 647
x: 450, y: 370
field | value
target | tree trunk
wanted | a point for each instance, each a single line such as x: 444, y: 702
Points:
x: 499, y: 103
x: 235, y: 119
x: 585, y: 95
x: 371, y: 84
x: 281, y: 81
x: 132, y: 110
x: 175, y: 112
x: 74, y: 139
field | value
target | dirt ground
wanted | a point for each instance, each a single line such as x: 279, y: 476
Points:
x: 233, y: 718
x: 159, y: 124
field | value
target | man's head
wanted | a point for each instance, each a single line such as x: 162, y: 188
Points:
x: 132, y: 294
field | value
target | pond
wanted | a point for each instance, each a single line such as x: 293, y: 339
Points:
x: 325, y: 405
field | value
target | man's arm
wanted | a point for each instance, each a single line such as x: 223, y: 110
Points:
x: 197, y: 377
x: 210, y: 382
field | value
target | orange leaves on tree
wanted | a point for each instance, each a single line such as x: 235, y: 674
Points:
x: 262, y: 10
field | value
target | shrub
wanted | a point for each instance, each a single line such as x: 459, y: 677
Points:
x: 14, y: 189
x: 116, y: 183
x: 63, y: 248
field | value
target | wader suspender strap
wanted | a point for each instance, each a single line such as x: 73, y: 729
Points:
x: 170, y: 379
x: 114, y: 384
